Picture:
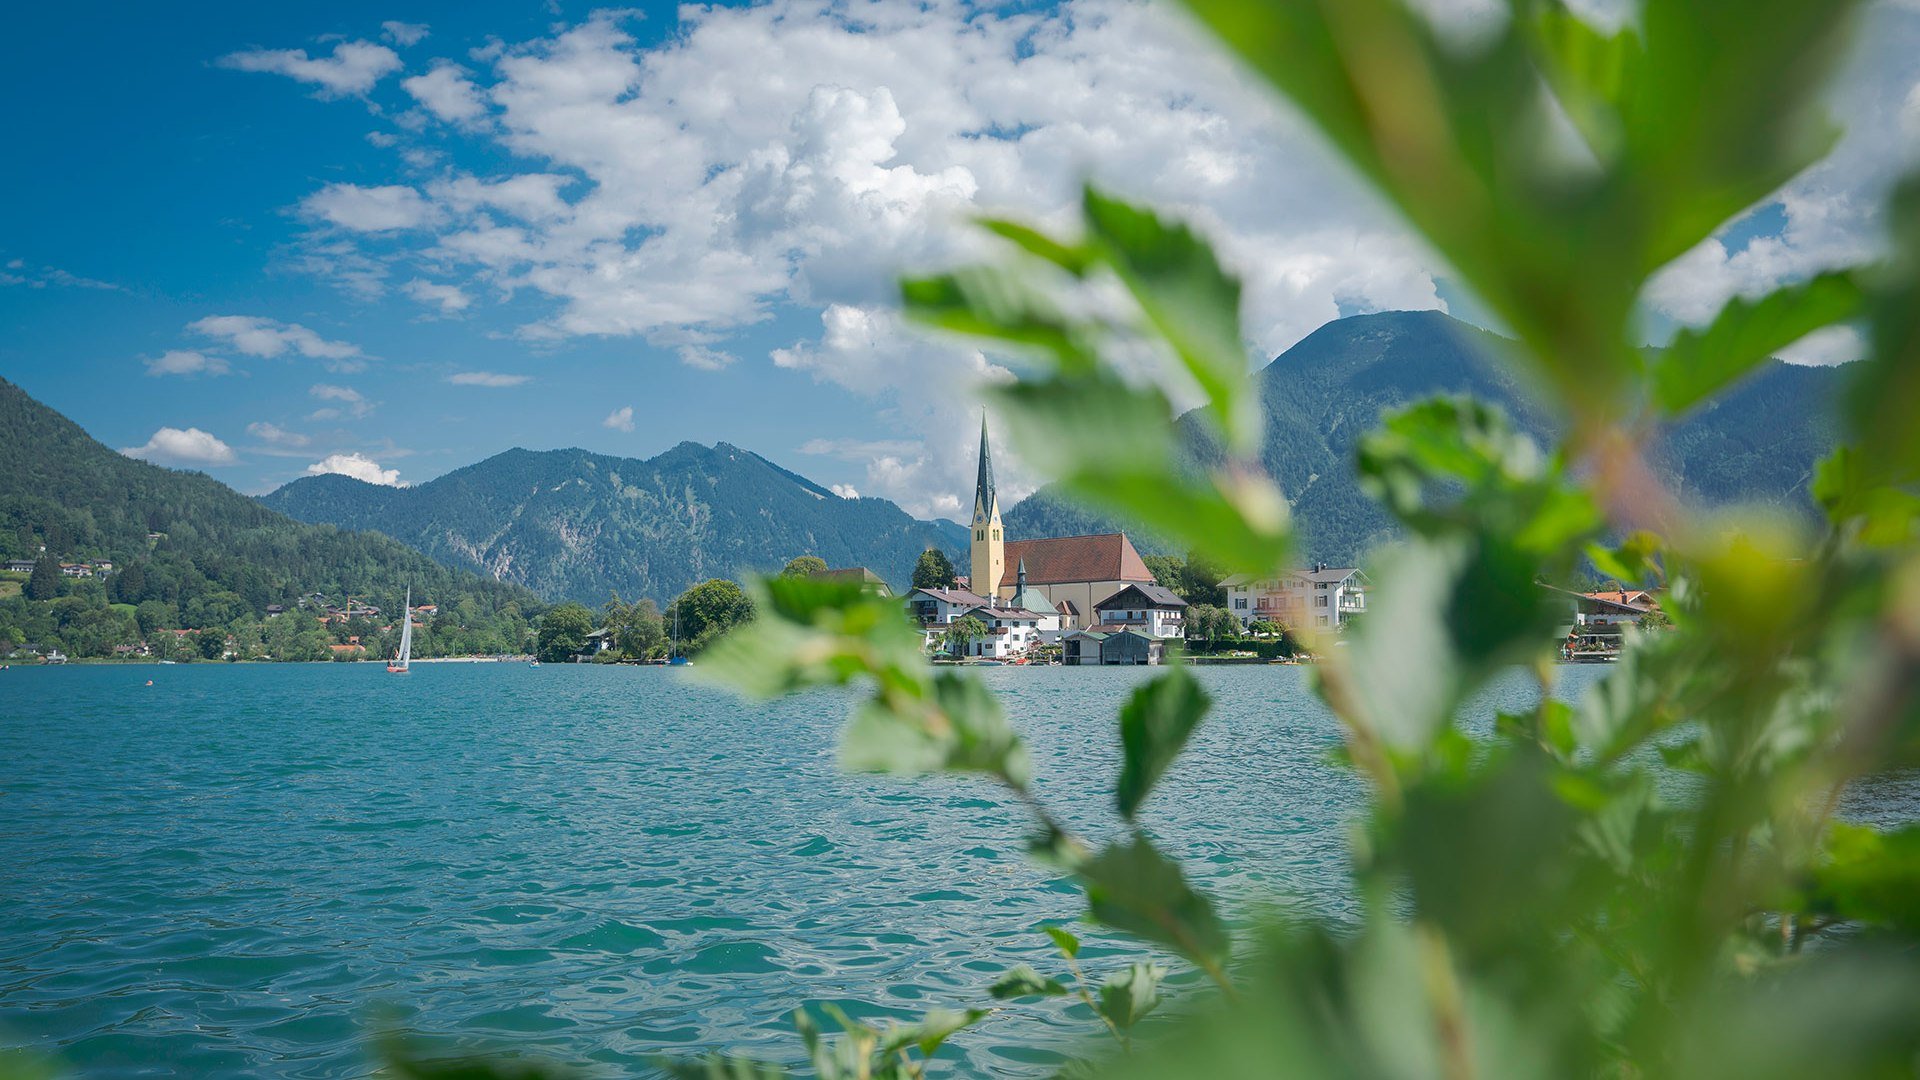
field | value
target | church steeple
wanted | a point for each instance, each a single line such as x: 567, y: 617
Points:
x: 988, y: 548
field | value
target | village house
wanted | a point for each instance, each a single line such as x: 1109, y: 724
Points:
x: 1152, y: 610
x: 1608, y: 612
x: 1124, y: 646
x: 1319, y: 598
x: 1010, y: 632
x: 20, y: 566
x: 933, y: 609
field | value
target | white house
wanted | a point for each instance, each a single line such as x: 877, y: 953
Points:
x: 1010, y: 633
x: 935, y: 608
x: 1318, y: 598
x: 1153, y: 610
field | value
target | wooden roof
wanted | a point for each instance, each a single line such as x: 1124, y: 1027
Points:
x: 1063, y: 559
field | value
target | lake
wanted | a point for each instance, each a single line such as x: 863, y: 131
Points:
x: 250, y: 870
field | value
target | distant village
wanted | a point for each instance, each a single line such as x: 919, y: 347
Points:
x: 1093, y: 600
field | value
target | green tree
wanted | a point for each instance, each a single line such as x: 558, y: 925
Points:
x: 710, y: 609
x: 44, y: 584
x: 804, y: 566
x: 961, y: 633
x: 129, y: 586
x: 933, y: 570
x: 211, y: 642
x: 563, y: 632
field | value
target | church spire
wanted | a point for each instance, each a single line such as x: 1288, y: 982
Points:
x: 987, y: 552
x: 983, y: 496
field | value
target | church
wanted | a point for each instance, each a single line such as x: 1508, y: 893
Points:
x: 1071, y: 574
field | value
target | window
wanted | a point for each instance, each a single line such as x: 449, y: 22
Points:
x: 1240, y: 602
x: 996, y: 534
x: 1319, y: 601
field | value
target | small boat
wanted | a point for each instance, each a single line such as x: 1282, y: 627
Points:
x: 674, y: 658
x: 398, y: 665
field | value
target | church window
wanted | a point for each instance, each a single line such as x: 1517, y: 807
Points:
x: 996, y: 534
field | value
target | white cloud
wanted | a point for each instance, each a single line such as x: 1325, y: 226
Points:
x: 274, y: 435
x: 352, y: 69
x: 269, y: 338
x: 448, y: 94
x: 1833, y: 345
x: 358, y: 466
x: 486, y: 378
x: 351, y: 401
x: 845, y: 491
x: 370, y: 209
x: 706, y: 358
x: 450, y: 298
x: 187, y: 362
x: 793, y: 154
x: 403, y: 34
x: 620, y: 419
x: 173, y: 446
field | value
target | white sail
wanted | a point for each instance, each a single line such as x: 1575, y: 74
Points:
x: 406, y: 631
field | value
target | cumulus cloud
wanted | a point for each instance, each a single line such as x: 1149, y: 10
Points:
x: 792, y: 154
x: 447, y: 93
x: 269, y: 338
x: 174, y: 446
x: 370, y: 209
x: 187, y: 362
x: 357, y: 465
x: 351, y: 70
x: 450, y: 299
x: 274, y: 435
x: 845, y: 491
x: 403, y: 34
x: 620, y: 419
x: 486, y: 378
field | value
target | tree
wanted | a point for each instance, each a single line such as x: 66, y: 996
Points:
x: 933, y: 571
x: 960, y: 633
x: 155, y: 614
x: 45, y: 582
x: 563, y: 632
x: 710, y: 609
x: 129, y: 586
x: 804, y: 566
x: 1208, y: 623
x: 212, y: 642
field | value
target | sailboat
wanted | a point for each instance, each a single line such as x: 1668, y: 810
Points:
x: 673, y: 650
x: 398, y: 665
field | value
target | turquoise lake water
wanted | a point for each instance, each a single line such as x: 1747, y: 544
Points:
x: 248, y: 870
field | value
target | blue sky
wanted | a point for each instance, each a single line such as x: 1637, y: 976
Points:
x: 391, y: 239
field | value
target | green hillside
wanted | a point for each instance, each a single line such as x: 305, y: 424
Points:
x: 1757, y: 444
x: 191, y: 553
x: 576, y: 525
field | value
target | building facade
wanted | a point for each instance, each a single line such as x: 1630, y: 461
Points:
x: 1319, y: 598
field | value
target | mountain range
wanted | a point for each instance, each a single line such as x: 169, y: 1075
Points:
x: 196, y: 543
x: 1755, y: 444
x: 578, y: 525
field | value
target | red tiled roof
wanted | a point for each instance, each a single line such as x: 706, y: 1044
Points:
x: 1062, y: 559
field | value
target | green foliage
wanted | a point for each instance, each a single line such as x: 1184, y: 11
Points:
x: 933, y: 570
x: 1154, y: 726
x: 804, y: 566
x: 45, y: 582
x: 960, y: 633
x: 563, y: 632
x: 707, y: 611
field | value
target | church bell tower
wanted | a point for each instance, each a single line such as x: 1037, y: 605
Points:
x: 988, y: 547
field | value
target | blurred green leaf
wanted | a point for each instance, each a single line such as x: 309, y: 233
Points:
x: 1023, y: 981
x: 990, y: 302
x: 1700, y: 363
x: 934, y: 1028
x: 1155, y: 723
x: 1885, y: 393
x: 1128, y: 995
x: 1132, y: 887
x: 1064, y: 939
x: 1869, y: 877
x: 1191, y: 300
x: 1075, y: 259
x: 962, y: 728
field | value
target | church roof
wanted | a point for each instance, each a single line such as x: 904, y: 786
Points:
x: 983, y: 485
x: 1150, y: 595
x: 1062, y: 559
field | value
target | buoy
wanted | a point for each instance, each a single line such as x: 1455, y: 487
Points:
x: 149, y: 682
